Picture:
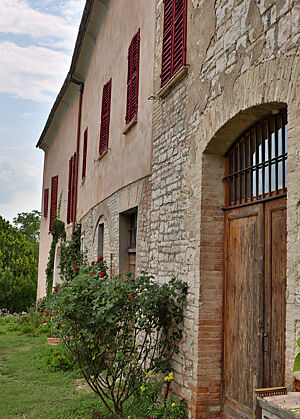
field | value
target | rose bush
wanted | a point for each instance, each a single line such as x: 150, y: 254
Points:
x: 118, y: 328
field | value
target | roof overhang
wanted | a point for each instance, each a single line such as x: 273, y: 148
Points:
x: 92, y: 19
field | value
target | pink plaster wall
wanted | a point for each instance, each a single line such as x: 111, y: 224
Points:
x: 129, y: 156
x: 56, y: 162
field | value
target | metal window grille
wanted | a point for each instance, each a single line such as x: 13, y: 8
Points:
x: 256, y: 162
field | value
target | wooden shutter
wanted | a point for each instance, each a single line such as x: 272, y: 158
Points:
x: 84, y: 153
x: 174, y: 38
x: 133, y: 77
x: 46, y: 201
x: 71, y: 189
x: 105, y: 117
x: 53, y: 204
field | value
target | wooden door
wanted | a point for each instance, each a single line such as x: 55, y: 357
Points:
x: 275, y: 290
x: 254, y: 303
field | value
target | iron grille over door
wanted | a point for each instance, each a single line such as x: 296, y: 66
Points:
x: 257, y: 162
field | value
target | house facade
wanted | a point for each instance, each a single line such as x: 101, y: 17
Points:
x: 176, y: 143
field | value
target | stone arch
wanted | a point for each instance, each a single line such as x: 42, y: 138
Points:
x: 102, y: 212
x: 255, y: 93
x: 258, y: 92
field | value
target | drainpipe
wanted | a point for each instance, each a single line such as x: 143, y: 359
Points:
x: 81, y: 85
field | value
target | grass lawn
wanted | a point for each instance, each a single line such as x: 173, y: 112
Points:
x: 28, y: 390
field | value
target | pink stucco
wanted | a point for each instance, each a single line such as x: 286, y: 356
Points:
x: 129, y: 156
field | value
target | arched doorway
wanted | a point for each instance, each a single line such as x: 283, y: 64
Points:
x: 255, y: 264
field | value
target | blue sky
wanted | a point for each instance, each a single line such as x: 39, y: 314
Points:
x: 37, y: 38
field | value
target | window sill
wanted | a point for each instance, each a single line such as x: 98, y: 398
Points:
x: 130, y: 125
x: 174, y: 80
x: 103, y: 154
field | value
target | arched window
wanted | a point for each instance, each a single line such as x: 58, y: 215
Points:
x: 256, y: 162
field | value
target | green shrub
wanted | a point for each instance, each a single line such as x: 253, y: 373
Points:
x: 297, y: 357
x: 27, y: 329
x: 58, y: 357
x: 118, y: 328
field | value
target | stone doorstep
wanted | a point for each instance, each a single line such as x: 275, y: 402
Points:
x: 282, y: 406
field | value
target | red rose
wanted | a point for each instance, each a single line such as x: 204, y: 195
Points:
x: 76, y: 268
x: 93, y: 272
x: 93, y: 263
x: 100, y: 259
x: 74, y: 263
x: 101, y: 273
x: 86, y: 296
x: 55, y: 289
x: 45, y: 321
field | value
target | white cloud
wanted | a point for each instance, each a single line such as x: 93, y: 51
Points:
x: 20, y: 187
x: 37, y: 71
x: 34, y: 73
x: 27, y: 115
x: 17, y: 17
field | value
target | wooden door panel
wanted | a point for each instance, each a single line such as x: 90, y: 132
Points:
x: 275, y: 290
x: 243, y: 308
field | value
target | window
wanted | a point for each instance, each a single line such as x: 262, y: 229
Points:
x: 46, y: 199
x: 82, y: 248
x: 100, y: 240
x: 71, y: 189
x: 127, y: 241
x: 84, y: 154
x: 53, y: 205
x: 174, y: 38
x: 133, y: 78
x: 105, y: 117
x: 257, y: 166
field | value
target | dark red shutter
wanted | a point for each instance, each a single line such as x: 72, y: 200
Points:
x: 46, y: 201
x: 174, y: 38
x: 105, y: 117
x: 84, y: 153
x: 71, y: 189
x: 53, y: 204
x: 133, y: 77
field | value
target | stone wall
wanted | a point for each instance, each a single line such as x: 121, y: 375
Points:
x: 243, y: 63
x: 107, y: 212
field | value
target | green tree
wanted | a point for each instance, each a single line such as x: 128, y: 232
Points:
x: 18, y: 272
x: 28, y: 223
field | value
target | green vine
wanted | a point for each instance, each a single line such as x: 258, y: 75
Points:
x: 70, y: 255
x: 57, y: 232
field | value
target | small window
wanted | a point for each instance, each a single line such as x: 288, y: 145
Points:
x: 133, y: 78
x: 53, y: 205
x: 257, y: 162
x: 71, y: 189
x: 174, y: 38
x: 105, y: 117
x: 82, y: 243
x: 100, y: 240
x: 46, y: 202
x: 85, y: 138
x: 127, y: 241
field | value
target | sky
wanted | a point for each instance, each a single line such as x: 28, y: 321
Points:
x: 37, y: 39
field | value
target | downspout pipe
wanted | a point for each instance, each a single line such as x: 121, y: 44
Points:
x: 81, y: 87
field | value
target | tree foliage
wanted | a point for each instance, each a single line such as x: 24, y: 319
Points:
x: 18, y: 269
x: 28, y: 223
